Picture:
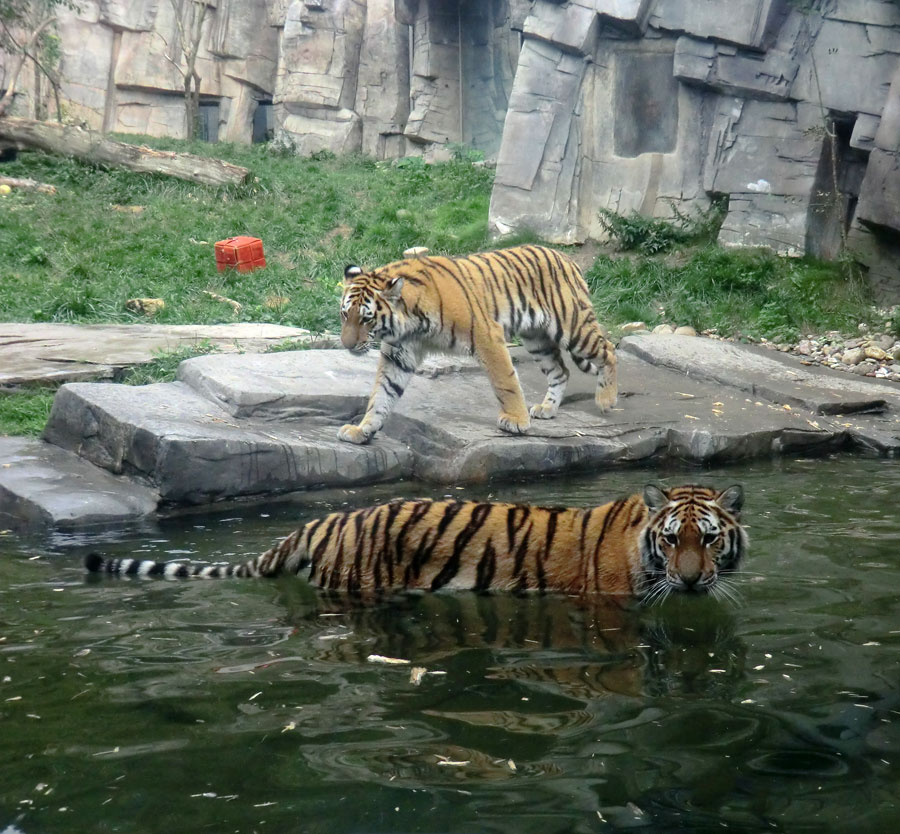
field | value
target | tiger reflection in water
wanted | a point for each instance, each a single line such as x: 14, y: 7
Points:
x: 580, y: 648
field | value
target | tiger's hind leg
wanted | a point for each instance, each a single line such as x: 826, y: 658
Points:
x: 594, y: 354
x: 547, y: 354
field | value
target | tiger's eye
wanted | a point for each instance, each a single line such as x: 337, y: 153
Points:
x: 670, y: 538
x: 709, y: 538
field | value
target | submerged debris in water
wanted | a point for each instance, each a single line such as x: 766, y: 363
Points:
x: 380, y: 658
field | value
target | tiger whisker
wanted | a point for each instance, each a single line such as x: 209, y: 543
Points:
x: 725, y: 589
x: 658, y: 592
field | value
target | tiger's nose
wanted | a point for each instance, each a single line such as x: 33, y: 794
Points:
x: 690, y: 579
x: 690, y: 568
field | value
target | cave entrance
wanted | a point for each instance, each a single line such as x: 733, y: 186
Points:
x: 263, y: 121
x: 838, y: 180
x: 463, y: 58
x: 208, y: 120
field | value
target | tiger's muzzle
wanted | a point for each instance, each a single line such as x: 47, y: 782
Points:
x: 354, y: 334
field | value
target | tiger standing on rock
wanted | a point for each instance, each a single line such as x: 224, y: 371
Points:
x: 474, y: 305
x: 686, y: 538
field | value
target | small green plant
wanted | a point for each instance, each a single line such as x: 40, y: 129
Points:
x: 287, y: 345
x: 652, y: 235
x: 894, y: 322
x: 36, y: 256
x: 409, y: 163
x: 461, y: 152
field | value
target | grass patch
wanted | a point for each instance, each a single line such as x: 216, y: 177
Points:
x: 739, y: 292
x: 164, y: 365
x: 109, y: 235
x: 25, y: 412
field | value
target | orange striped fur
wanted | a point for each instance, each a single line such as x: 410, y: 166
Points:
x: 646, y: 545
x: 474, y: 305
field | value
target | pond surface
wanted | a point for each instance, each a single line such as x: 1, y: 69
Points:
x: 239, y: 705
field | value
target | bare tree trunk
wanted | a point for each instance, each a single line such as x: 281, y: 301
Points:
x: 189, y: 118
x: 69, y: 140
x: 195, y: 103
x: 190, y: 32
x: 18, y: 62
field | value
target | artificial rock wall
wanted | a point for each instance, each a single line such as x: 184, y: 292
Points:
x: 386, y: 77
x: 585, y: 104
x: 642, y: 104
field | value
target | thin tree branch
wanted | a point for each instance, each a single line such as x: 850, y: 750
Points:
x: 20, y: 59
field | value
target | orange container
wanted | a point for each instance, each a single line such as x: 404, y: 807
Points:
x: 241, y: 253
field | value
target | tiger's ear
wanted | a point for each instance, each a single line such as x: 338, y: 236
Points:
x: 731, y: 499
x: 393, y: 287
x: 350, y: 272
x: 655, y: 498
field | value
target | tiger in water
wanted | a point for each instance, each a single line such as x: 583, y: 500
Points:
x: 474, y: 305
x: 686, y: 538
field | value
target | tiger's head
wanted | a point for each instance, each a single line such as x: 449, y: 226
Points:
x: 368, y: 307
x: 692, y: 541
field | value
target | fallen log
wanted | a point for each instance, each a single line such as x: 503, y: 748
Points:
x: 69, y: 140
x: 28, y: 184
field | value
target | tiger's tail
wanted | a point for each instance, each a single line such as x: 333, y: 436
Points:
x: 289, y: 555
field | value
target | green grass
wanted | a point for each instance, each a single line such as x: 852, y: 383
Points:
x: 743, y: 292
x: 77, y: 256
x: 25, y: 412
x: 163, y: 366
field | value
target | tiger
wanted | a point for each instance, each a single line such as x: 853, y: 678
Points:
x: 646, y: 545
x: 474, y: 305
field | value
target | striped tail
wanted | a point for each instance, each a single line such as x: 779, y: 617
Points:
x: 287, y: 555
x: 95, y: 563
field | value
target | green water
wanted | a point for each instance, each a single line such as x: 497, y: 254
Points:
x: 151, y: 705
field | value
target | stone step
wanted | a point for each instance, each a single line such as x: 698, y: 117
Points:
x: 256, y: 425
x: 765, y: 374
x: 193, y: 452
x: 44, y: 486
x: 447, y: 416
x: 52, y: 353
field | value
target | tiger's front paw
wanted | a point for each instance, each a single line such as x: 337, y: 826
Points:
x: 354, y: 434
x: 508, y: 423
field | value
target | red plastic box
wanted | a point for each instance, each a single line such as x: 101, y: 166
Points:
x: 242, y: 253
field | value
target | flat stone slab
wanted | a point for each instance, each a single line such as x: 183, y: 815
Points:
x: 294, y: 384
x: 254, y: 425
x: 34, y: 354
x: 42, y: 485
x: 764, y: 373
x: 867, y: 410
x: 190, y: 451
x: 450, y: 422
